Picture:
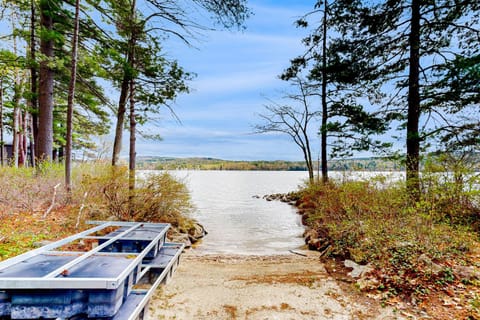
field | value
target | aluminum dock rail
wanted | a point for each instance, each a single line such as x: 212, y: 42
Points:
x: 107, y: 272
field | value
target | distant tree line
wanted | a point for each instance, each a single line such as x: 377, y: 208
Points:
x: 367, y: 164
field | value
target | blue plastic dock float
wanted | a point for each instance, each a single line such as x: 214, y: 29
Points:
x: 90, y: 275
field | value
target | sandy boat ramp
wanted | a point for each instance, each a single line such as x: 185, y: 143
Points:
x: 290, y: 286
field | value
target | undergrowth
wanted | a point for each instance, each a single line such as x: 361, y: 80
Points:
x: 34, y: 205
x: 377, y: 223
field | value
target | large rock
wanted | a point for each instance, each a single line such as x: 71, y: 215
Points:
x: 196, y: 232
x: 431, y: 266
x: 290, y: 198
x: 315, y: 241
x: 193, y: 235
x: 358, y: 270
x: 180, y: 238
x: 467, y: 273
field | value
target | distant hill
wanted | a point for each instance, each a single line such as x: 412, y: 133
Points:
x: 169, y: 163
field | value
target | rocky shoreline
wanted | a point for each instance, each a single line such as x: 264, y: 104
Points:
x: 188, y: 237
x: 313, y: 239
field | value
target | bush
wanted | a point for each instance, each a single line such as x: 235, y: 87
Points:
x: 372, y: 223
x: 157, y: 197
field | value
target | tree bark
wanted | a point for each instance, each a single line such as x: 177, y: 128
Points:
x: 122, y: 108
x: 70, y: 100
x: 25, y: 128
x: 133, y: 120
x: 33, y: 82
x: 15, y: 124
x: 323, y: 131
x: 308, y: 162
x: 21, y: 139
x: 132, y: 152
x: 307, y: 151
x: 45, y: 102
x: 16, y: 103
x: 413, y: 137
x: 2, y: 141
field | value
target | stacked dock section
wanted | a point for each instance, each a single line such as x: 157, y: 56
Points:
x: 107, y: 272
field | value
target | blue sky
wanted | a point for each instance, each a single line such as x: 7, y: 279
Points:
x: 236, y: 71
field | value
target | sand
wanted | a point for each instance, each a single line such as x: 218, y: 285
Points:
x: 289, y: 286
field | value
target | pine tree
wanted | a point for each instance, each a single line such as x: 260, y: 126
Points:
x: 346, y: 125
x: 409, y: 48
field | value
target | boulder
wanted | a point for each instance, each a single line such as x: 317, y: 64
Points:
x: 180, y: 238
x: 429, y: 264
x: 358, y: 270
x: 310, y: 234
x: 467, y: 273
x: 315, y: 241
x: 196, y: 232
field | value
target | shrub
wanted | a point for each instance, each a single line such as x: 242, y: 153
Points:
x: 372, y: 223
x: 157, y: 197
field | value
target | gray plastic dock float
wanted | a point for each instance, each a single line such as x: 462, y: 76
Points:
x: 90, y: 275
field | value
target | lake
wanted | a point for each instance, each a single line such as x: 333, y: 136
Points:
x: 237, y: 221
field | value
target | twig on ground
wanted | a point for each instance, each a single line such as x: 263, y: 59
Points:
x: 298, y: 252
x: 53, y: 201
x: 81, y: 209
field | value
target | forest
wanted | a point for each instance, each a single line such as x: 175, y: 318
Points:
x: 374, y: 74
x: 59, y: 58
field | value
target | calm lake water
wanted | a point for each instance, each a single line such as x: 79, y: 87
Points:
x: 236, y: 221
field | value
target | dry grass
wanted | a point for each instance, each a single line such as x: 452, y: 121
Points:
x: 370, y: 224
x: 99, y: 193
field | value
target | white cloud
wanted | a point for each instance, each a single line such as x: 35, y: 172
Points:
x: 235, y: 70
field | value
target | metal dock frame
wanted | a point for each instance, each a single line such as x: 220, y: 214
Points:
x: 98, y: 283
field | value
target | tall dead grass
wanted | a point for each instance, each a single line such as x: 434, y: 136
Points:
x: 34, y: 205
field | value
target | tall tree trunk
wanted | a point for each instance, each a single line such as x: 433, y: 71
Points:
x: 308, y: 162
x: 25, y: 128
x: 133, y: 120
x: 15, y: 118
x: 132, y: 152
x: 16, y: 103
x: 323, y: 131
x: 33, y: 83
x: 45, y: 103
x: 124, y: 90
x: 413, y: 138
x: 31, y: 143
x: 307, y: 152
x: 122, y: 108
x: 2, y: 141
x: 21, y: 139
x: 71, y: 96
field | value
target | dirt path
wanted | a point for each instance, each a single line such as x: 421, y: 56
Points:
x: 259, y: 287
